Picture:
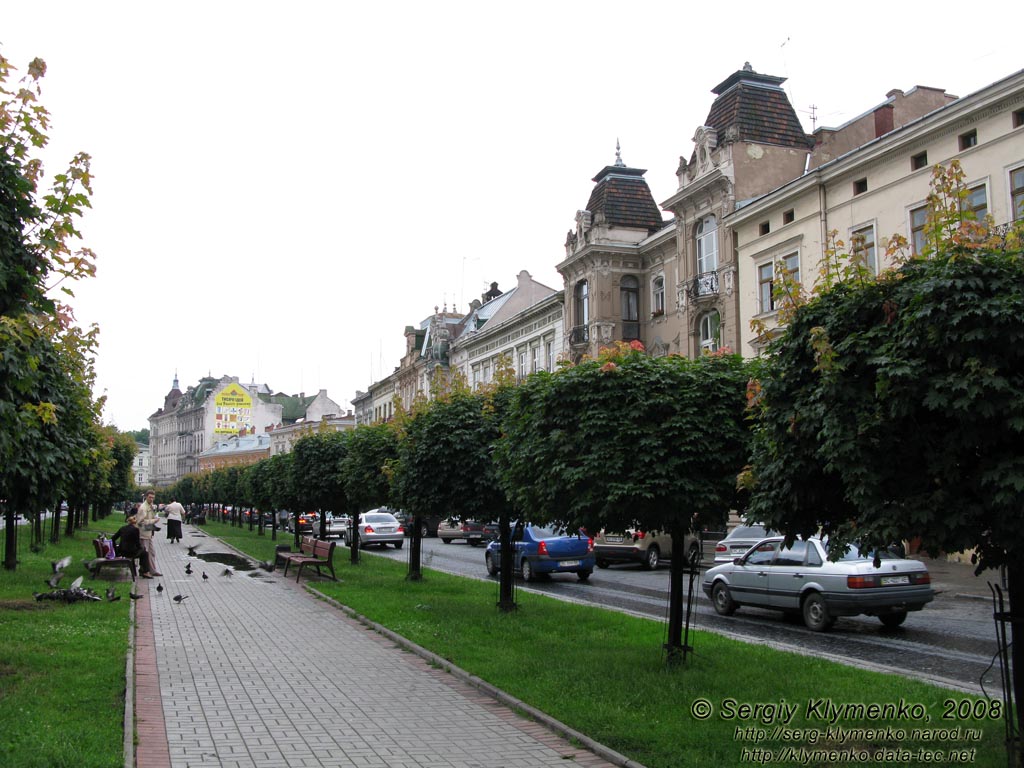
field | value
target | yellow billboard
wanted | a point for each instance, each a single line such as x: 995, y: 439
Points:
x: 232, y: 410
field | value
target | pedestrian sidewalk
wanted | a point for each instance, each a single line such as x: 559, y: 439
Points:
x: 957, y: 578
x: 249, y: 670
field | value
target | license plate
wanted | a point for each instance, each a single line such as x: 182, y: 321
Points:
x: 890, y: 580
x: 568, y: 563
x: 613, y: 539
x: 387, y: 529
x: 473, y: 536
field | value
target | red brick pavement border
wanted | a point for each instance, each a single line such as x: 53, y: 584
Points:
x: 151, y: 750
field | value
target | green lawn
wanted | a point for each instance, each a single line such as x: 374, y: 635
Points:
x: 62, y: 667
x: 603, y: 674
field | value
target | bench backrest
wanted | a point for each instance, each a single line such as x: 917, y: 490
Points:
x: 317, y: 547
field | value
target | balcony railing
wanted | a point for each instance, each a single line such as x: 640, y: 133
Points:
x: 704, y: 284
x: 579, y: 335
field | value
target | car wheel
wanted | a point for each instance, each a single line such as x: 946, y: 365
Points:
x: 652, y: 558
x: 694, y: 553
x: 603, y: 563
x: 447, y: 541
x: 893, y: 620
x: 722, y: 600
x: 398, y: 544
x: 475, y: 542
x: 492, y: 567
x: 583, y: 575
x: 527, y: 569
x: 815, y: 612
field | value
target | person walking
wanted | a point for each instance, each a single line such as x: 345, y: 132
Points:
x: 147, y: 520
x: 128, y: 543
x: 175, y: 513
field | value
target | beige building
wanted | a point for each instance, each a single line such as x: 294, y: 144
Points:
x: 869, y: 180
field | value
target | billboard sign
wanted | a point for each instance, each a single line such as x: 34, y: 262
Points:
x: 232, y: 410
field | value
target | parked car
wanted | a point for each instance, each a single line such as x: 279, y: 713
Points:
x: 800, y: 579
x: 472, y: 532
x: 645, y: 547
x: 337, y: 525
x: 541, y: 550
x: 738, y: 541
x: 379, y: 526
x: 428, y: 524
x: 303, y: 521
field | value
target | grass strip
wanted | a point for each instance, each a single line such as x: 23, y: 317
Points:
x: 603, y: 674
x: 62, y: 667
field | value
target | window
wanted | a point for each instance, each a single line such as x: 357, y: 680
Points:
x: 710, y: 331
x: 581, y: 311
x: 788, y: 217
x: 863, y: 245
x: 535, y: 359
x: 549, y: 356
x: 792, y: 555
x: 707, y: 245
x: 765, y: 283
x: 976, y: 201
x: 764, y: 228
x: 522, y: 364
x: 1017, y: 194
x: 1018, y: 118
x: 629, y: 297
x: 860, y: 186
x: 658, y: 299
x: 918, y: 220
x: 919, y: 161
x: 968, y: 140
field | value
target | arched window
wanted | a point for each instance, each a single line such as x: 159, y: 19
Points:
x: 707, y: 245
x: 629, y: 296
x: 658, y: 296
x: 710, y: 331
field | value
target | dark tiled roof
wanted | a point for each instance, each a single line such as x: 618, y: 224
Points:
x: 759, y: 109
x: 624, y: 198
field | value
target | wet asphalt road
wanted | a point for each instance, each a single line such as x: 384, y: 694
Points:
x: 951, y: 642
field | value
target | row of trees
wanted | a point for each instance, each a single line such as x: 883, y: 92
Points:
x: 53, y: 445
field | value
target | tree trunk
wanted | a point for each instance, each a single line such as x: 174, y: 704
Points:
x: 1015, y: 582
x: 10, y: 539
x: 415, y: 542
x: 506, y: 576
x: 353, y: 541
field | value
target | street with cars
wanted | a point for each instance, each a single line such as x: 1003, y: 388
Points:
x: 950, y: 642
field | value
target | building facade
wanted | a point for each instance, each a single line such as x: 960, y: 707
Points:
x: 140, y: 465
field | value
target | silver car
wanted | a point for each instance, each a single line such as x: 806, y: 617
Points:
x: 738, y: 541
x: 379, y: 527
x: 337, y: 525
x: 800, y: 579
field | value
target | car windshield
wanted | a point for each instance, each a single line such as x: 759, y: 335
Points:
x: 380, y: 518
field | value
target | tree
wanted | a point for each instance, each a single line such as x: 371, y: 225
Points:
x: 46, y: 373
x: 367, y: 471
x: 626, y: 441
x: 893, y: 409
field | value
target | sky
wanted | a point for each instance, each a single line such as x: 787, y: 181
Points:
x: 280, y: 189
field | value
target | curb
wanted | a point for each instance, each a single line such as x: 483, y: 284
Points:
x: 553, y: 725
x: 129, y: 691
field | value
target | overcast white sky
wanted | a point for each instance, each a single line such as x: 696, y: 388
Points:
x: 282, y: 187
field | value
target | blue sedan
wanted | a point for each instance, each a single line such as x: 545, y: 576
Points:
x: 544, y: 550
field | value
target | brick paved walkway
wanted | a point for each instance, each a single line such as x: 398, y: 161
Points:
x: 223, y: 679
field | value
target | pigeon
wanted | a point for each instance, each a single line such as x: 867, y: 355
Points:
x: 192, y: 550
x: 54, y: 580
x: 227, y: 572
x: 268, y: 566
x: 72, y: 595
x: 112, y: 595
x: 159, y: 587
x: 77, y: 583
x: 205, y: 577
x: 60, y: 565
x: 133, y: 596
x: 179, y: 599
x: 188, y: 569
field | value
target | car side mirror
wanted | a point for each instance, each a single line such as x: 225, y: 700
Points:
x: 739, y: 561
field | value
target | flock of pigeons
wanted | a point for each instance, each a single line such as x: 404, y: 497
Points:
x: 76, y: 592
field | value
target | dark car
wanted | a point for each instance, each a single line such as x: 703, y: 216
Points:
x: 801, y: 580
x: 428, y: 523
x: 541, y: 550
x: 473, y: 532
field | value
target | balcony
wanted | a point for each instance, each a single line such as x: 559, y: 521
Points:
x: 704, y: 284
x: 579, y: 335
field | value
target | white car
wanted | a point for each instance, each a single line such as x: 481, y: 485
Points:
x: 801, y: 580
x: 383, y: 528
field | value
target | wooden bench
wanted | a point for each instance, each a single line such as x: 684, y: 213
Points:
x: 102, y: 560
x: 315, y: 552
